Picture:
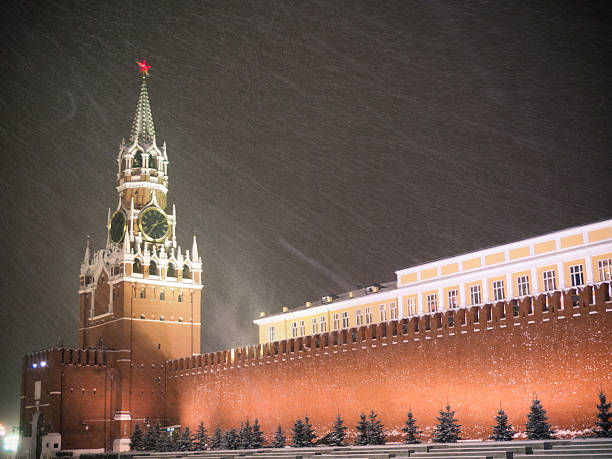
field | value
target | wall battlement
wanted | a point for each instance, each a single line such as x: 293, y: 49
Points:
x: 69, y: 356
x: 526, y: 311
x: 475, y: 358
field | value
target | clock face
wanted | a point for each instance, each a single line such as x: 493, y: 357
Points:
x: 154, y: 224
x: 118, y: 226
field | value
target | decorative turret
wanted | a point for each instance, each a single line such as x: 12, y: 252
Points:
x: 194, y: 250
x: 87, y: 256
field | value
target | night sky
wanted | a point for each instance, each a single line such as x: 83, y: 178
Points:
x: 313, y: 146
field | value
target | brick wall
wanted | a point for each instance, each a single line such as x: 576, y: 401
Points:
x: 487, y: 356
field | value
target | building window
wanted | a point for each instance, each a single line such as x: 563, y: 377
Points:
x: 383, y: 312
x: 576, y: 275
x: 153, y: 269
x: 368, y: 315
x: 358, y: 317
x: 142, y: 293
x: 411, y: 306
x: 302, y: 327
x: 271, y: 334
x: 137, y: 160
x: 603, y: 269
x: 315, y: 325
x: 452, y: 299
x: 294, y: 332
x: 345, y: 322
x: 180, y: 297
x: 171, y: 270
x: 336, y: 321
x: 498, y: 290
x: 475, y: 294
x: 523, y: 285
x: 432, y: 302
x: 137, y: 266
x: 186, y: 272
x: 323, y: 321
x: 162, y: 295
x: 393, y: 311
x: 550, y: 281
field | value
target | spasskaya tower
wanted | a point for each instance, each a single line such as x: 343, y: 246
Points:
x: 141, y: 292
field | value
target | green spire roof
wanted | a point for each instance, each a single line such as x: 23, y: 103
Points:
x: 142, y: 128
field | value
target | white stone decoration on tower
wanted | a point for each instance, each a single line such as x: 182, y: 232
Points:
x: 141, y: 233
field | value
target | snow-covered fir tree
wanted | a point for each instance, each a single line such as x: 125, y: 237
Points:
x: 244, y: 435
x: 230, y: 439
x: 151, y: 437
x: 362, y: 430
x: 411, y: 430
x: 303, y: 434
x: 216, y: 442
x: 447, y: 430
x: 257, y: 438
x: 164, y: 442
x: 376, y: 430
x: 502, y: 430
x: 297, y: 437
x: 184, y: 442
x: 309, y: 432
x: 200, y: 438
x: 137, y: 439
x: 279, y: 438
x: 338, y: 433
x: 537, y: 428
x: 604, y: 426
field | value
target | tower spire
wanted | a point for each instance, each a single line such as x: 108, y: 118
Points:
x: 143, y: 130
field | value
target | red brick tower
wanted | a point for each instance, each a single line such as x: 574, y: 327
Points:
x: 140, y: 296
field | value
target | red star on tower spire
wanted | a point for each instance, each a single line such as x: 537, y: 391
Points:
x: 144, y: 68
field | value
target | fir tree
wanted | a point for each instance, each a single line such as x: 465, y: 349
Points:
x: 603, y: 417
x: 200, y: 439
x: 164, y: 443
x: 375, y: 432
x: 216, y: 442
x: 362, y: 430
x: 257, y: 438
x: 137, y: 439
x: 447, y: 430
x: 151, y: 437
x: 279, y: 438
x: 230, y: 439
x: 245, y: 435
x: 338, y: 433
x: 502, y: 431
x: 411, y: 430
x: 309, y: 433
x: 298, y: 437
x: 537, y: 428
x: 184, y: 442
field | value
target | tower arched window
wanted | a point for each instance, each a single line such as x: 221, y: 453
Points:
x: 137, y: 159
x: 153, y: 269
x: 152, y: 162
x: 137, y: 266
x: 171, y: 270
x: 186, y: 272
